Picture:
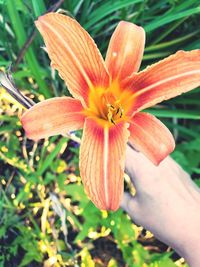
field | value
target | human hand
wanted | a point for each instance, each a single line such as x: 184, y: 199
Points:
x: 167, y: 203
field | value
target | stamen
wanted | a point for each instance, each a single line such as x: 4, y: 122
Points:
x: 122, y: 112
x: 115, y: 112
x: 113, y: 121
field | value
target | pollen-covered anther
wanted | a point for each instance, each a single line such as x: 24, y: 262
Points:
x: 115, y: 112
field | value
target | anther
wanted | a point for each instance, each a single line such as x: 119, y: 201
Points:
x: 113, y: 121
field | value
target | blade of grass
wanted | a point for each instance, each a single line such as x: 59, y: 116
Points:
x: 86, y: 7
x: 172, y: 42
x: 179, y: 114
x: 183, y: 130
x: 163, y: 20
x: 155, y: 55
x: 107, y: 8
x: 29, y: 56
x: 168, y: 30
x: 38, y: 7
x: 49, y: 159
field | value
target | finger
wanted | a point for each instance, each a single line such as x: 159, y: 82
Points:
x: 129, y: 205
x: 142, y: 171
x: 138, y: 167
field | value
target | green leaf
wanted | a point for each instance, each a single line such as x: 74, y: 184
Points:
x: 107, y: 8
x: 49, y: 159
x: 179, y: 114
x: 165, y: 19
x: 21, y: 38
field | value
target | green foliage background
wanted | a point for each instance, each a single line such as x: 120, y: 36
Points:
x: 45, y: 217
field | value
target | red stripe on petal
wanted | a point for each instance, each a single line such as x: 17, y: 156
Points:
x: 151, y: 137
x: 102, y: 157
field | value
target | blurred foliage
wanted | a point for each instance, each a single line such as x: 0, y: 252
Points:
x: 45, y: 217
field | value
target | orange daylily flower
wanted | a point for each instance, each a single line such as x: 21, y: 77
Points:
x: 108, y: 99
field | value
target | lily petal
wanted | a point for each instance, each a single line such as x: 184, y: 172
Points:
x: 53, y: 116
x: 125, y: 50
x: 102, y: 156
x: 151, y: 137
x: 168, y: 78
x: 73, y: 53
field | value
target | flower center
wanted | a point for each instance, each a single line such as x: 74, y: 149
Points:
x: 115, y: 112
x: 104, y: 105
x: 110, y: 105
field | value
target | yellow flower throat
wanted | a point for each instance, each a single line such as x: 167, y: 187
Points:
x: 108, y: 105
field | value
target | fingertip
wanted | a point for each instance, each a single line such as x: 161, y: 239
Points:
x: 128, y: 203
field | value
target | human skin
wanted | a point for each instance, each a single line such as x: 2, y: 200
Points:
x: 167, y: 203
